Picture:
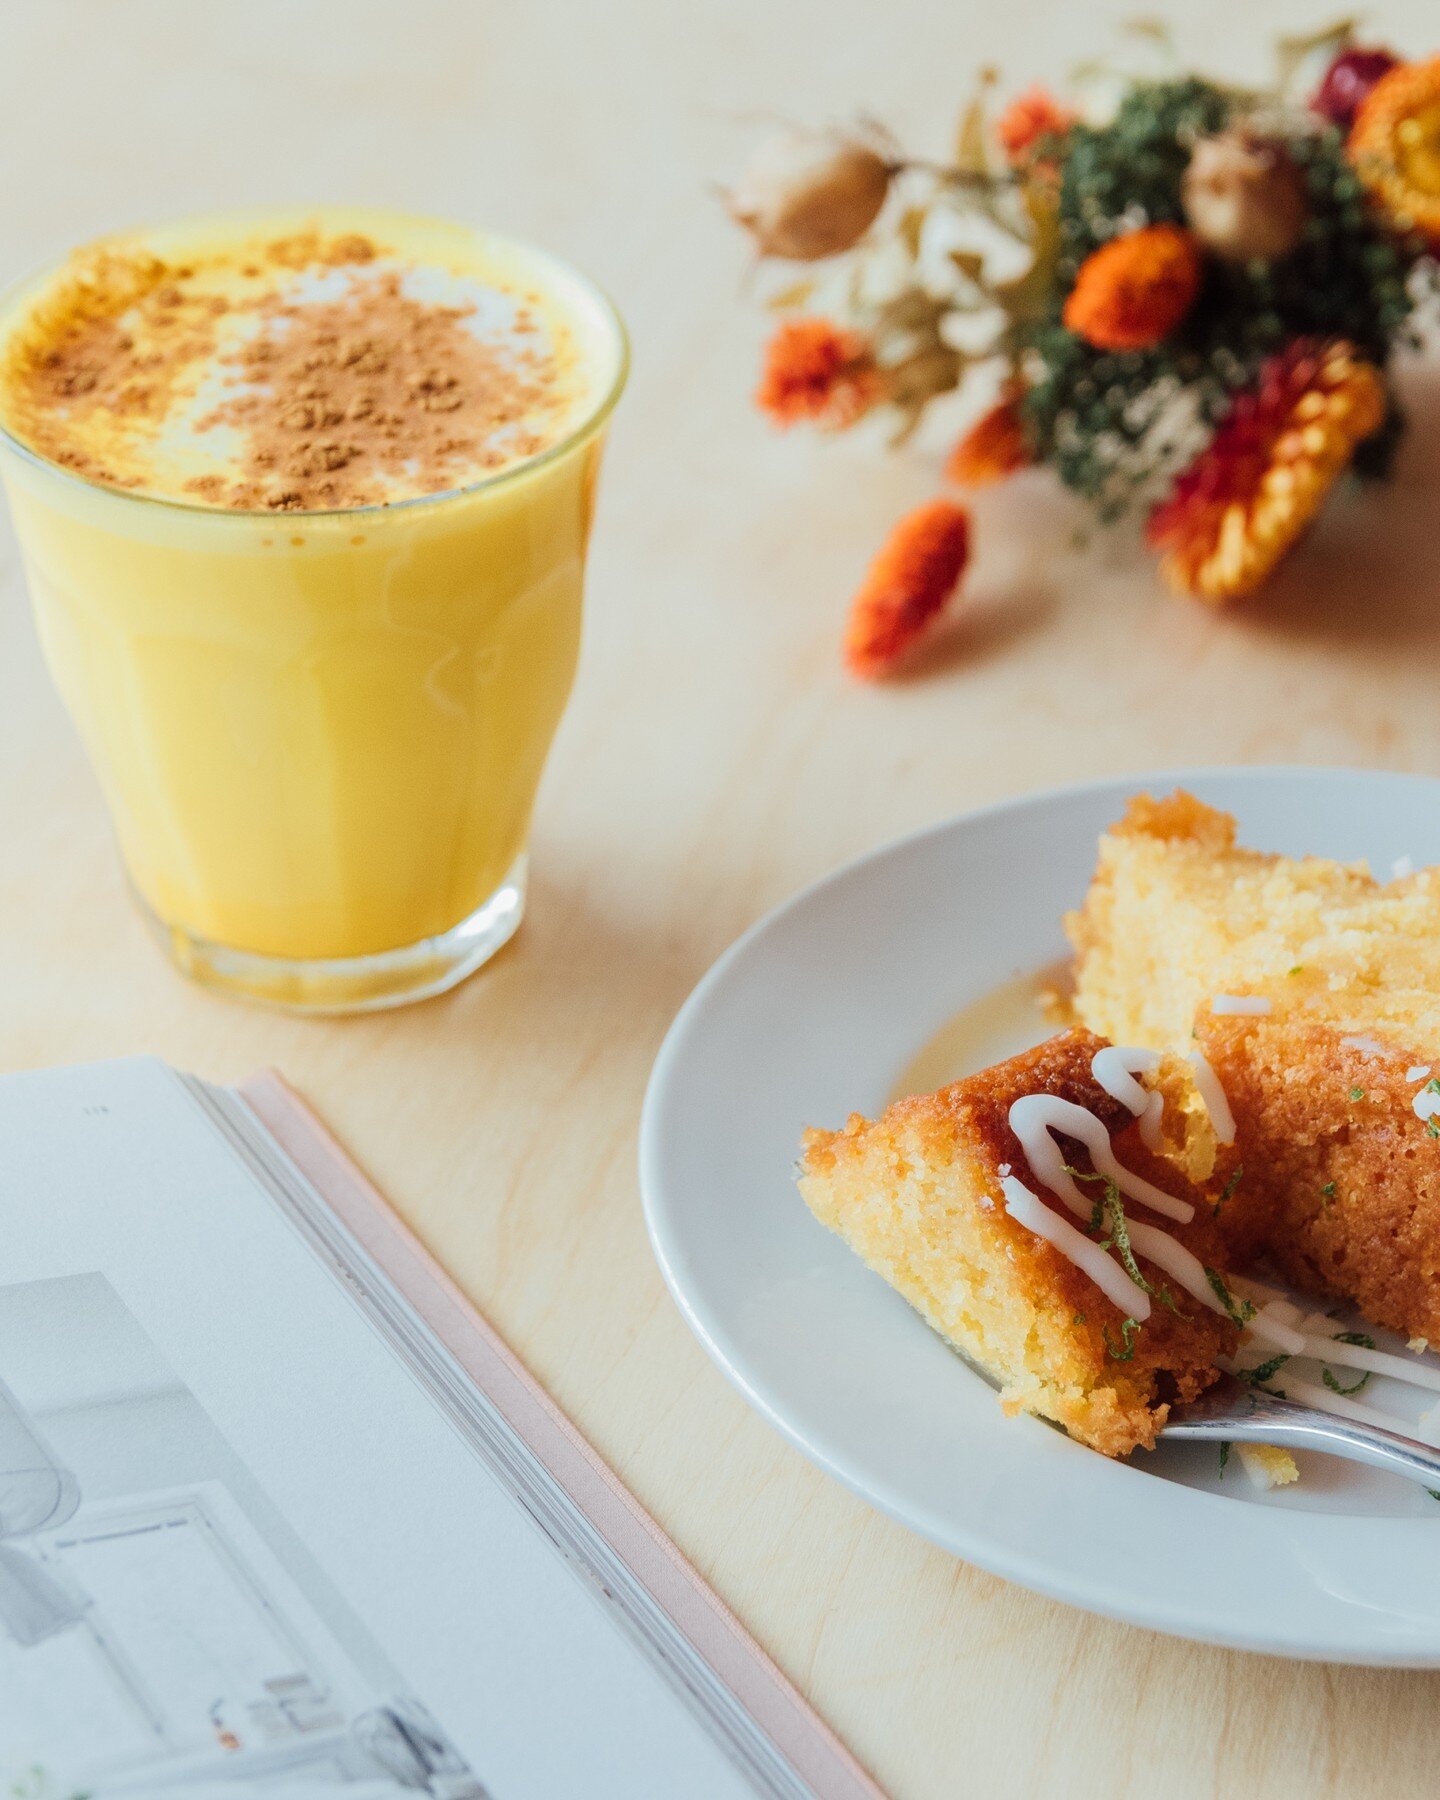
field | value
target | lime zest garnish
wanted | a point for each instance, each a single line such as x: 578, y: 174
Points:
x: 1110, y: 1208
x: 1337, y: 1387
x: 1263, y: 1372
x: 1364, y: 1342
x: 1357, y: 1093
x: 1128, y: 1329
x: 1239, y: 1312
x: 1228, y: 1189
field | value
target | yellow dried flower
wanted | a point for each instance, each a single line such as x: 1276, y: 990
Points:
x: 1395, y: 146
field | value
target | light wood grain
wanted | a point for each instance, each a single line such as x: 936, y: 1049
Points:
x: 714, y: 760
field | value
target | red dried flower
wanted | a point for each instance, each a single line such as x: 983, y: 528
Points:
x: 1247, y: 499
x: 1347, y: 83
x: 907, y: 586
x: 1030, y: 118
x: 1132, y: 292
x: 993, y: 448
x: 820, y: 372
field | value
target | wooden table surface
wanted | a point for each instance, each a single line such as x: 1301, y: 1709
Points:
x: 714, y: 759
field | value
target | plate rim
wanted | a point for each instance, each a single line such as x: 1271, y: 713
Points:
x: 970, y: 1545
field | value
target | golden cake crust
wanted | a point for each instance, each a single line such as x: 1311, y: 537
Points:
x: 916, y: 1193
x: 1341, y: 1189
x: 1341, y: 1182
x: 1177, y: 912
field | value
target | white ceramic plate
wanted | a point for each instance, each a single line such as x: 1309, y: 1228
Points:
x: 815, y: 1013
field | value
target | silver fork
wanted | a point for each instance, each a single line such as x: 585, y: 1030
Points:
x: 1231, y: 1412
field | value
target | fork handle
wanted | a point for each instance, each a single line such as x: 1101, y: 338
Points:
x: 1289, y: 1424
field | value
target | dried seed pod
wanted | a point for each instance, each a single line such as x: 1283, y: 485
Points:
x: 810, y: 194
x: 1244, y: 198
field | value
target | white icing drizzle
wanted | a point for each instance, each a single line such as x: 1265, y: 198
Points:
x: 1426, y: 1103
x: 1241, y: 1005
x: 1278, y: 1325
x: 1276, y: 1333
x: 1320, y: 1346
x: 1207, y: 1085
x: 1115, y: 1068
x: 1369, y: 1045
x: 1418, y: 1072
x: 1187, y: 1271
x: 1260, y: 1292
x: 1033, y: 1119
x: 1319, y: 1336
x: 1103, y: 1270
x: 1151, y: 1121
x: 1279, y: 1321
x: 1326, y: 1400
x: 1179, y: 1264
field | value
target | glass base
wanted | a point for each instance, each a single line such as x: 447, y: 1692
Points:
x: 353, y: 984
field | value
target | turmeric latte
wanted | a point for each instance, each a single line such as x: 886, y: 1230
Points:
x: 293, y: 369
x: 304, y: 502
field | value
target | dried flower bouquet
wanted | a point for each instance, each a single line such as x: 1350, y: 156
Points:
x: 1188, y: 304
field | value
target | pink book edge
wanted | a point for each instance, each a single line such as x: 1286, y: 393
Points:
x: 797, y: 1731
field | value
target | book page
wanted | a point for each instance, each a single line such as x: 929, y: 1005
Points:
x: 238, y: 1543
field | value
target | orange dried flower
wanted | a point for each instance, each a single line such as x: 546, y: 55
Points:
x: 1030, y: 117
x: 993, y: 448
x: 820, y: 372
x: 1395, y: 146
x: 907, y: 586
x: 1247, y: 499
x: 1132, y: 292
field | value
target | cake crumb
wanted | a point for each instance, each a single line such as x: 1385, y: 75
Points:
x: 1267, y: 1465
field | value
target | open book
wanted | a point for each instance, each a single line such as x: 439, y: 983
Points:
x: 280, y: 1514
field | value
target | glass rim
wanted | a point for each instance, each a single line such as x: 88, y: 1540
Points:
x: 577, y: 434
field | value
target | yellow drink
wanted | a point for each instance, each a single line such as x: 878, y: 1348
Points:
x: 320, y: 728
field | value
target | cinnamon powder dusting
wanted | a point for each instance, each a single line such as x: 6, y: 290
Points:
x: 326, y: 403
x: 76, y: 361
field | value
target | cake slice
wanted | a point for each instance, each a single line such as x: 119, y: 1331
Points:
x: 1178, y: 913
x: 923, y: 1195
x: 1340, y: 1189
x: 1312, y: 992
